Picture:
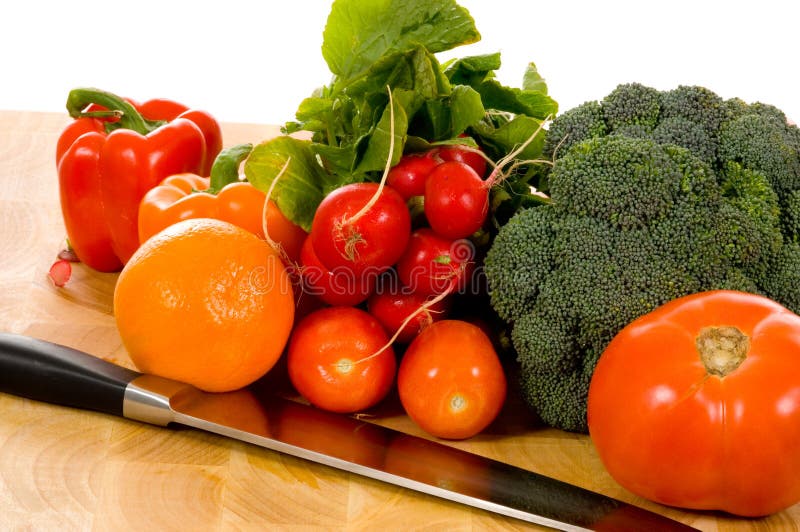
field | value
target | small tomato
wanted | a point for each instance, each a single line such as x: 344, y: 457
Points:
x: 697, y: 404
x: 450, y: 381
x: 335, y: 359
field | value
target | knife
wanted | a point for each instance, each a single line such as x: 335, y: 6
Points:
x: 53, y: 373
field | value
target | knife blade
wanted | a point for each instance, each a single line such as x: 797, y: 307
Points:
x: 54, y: 373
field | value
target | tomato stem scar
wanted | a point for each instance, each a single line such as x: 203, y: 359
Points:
x: 457, y: 402
x: 722, y: 349
x: 344, y: 365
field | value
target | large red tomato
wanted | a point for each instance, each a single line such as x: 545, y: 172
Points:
x: 697, y: 404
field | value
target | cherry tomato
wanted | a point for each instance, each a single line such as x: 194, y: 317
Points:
x: 456, y: 200
x: 433, y: 265
x: 394, y: 305
x: 340, y: 287
x: 408, y: 176
x: 372, y: 242
x: 335, y: 360
x: 450, y: 381
x: 697, y: 404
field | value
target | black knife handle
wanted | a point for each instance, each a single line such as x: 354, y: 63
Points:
x: 58, y: 374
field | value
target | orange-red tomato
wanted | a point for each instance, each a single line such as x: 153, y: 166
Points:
x: 183, y: 196
x: 697, y: 404
x: 450, y: 381
x: 336, y: 362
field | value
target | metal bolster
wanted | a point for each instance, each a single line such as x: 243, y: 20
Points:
x: 147, y: 398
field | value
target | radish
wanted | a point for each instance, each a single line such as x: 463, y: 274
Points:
x: 338, y: 287
x: 408, y: 176
x: 473, y: 157
x: 60, y: 272
x: 435, y: 265
x: 456, y: 200
x: 393, y: 306
x: 361, y: 226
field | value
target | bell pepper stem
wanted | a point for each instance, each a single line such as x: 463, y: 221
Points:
x: 102, y: 114
x: 225, y: 169
x: 114, y: 106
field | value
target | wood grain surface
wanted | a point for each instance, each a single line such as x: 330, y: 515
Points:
x: 64, y: 469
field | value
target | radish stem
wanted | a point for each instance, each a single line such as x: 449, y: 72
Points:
x: 498, y: 175
x: 273, y: 244
x: 365, y: 209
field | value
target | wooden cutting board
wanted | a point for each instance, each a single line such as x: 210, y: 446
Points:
x: 63, y: 469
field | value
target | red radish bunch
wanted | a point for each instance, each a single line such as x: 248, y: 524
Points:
x: 362, y: 245
x: 450, y: 180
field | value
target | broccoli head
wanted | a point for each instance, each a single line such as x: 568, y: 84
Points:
x: 632, y: 222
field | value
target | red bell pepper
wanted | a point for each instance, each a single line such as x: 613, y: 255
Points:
x: 111, y: 155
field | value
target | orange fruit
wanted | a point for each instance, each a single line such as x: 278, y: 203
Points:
x: 205, y: 302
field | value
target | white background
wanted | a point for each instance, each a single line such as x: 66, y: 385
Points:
x: 254, y: 61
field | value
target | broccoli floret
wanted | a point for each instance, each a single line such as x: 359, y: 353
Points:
x: 782, y: 281
x: 632, y: 104
x: 600, y: 273
x: 555, y: 383
x: 605, y: 178
x: 696, y: 104
x: 631, y: 225
x: 753, y: 218
x: 574, y: 126
x: 791, y: 216
x: 769, y: 112
x: 735, y: 107
x: 529, y: 261
x: 687, y: 134
x: 763, y: 141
